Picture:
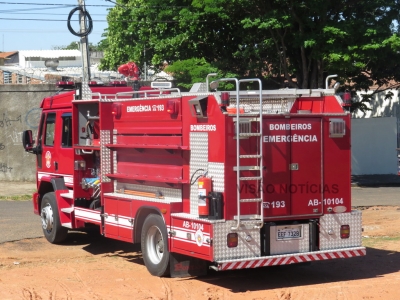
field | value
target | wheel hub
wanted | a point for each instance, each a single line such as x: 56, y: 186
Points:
x: 47, y: 218
x: 155, y: 244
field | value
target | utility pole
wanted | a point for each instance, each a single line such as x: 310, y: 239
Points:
x: 86, y: 92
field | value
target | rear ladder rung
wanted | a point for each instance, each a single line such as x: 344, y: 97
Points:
x: 251, y: 156
x: 249, y: 134
x: 248, y: 217
x: 250, y: 178
x: 250, y: 200
x: 247, y: 168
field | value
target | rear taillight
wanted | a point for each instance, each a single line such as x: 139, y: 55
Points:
x: 232, y: 240
x: 116, y: 110
x: 344, y: 231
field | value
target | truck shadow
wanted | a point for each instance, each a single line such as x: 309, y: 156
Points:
x: 96, y: 244
x: 376, y: 263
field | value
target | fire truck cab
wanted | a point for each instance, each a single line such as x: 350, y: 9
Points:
x: 206, y: 179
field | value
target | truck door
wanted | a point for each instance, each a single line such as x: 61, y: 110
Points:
x: 54, y: 144
x: 306, y: 186
x: 45, y: 144
x: 65, y: 153
x: 292, y: 150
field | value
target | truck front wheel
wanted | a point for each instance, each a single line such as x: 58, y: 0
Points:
x: 52, y: 229
x: 154, y: 243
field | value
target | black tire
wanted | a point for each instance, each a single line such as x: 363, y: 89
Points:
x: 154, y: 244
x: 52, y: 229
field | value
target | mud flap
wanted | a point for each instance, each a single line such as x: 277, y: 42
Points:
x: 186, y: 266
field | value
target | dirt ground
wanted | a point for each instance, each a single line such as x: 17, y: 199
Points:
x: 89, y: 266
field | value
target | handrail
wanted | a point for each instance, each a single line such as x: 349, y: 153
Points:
x: 145, y: 92
x: 327, y: 80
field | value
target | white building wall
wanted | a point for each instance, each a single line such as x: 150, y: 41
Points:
x: 373, y: 146
x: 380, y: 105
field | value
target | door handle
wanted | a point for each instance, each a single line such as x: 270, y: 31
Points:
x: 55, y: 165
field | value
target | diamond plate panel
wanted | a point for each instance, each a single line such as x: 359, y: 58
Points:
x: 244, y: 249
x: 105, y: 155
x: 86, y: 91
x: 198, y: 160
x: 329, y: 235
x: 216, y: 172
x: 290, y: 246
x: 114, y: 158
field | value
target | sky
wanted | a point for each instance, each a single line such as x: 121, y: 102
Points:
x: 42, y: 24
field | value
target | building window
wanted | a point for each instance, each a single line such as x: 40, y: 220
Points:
x: 20, y: 79
x: 7, y: 77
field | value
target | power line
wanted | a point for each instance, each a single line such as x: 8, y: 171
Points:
x: 45, y: 20
x: 112, y: 21
x: 52, y: 4
x: 41, y: 31
x: 53, y: 14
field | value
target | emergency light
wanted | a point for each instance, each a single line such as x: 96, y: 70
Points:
x: 118, y: 83
x: 116, y: 110
x: 66, y: 84
x: 172, y: 107
x: 225, y: 99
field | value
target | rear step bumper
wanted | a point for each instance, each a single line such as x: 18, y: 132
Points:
x: 287, y: 259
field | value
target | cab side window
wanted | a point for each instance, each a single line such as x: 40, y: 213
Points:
x: 49, y: 130
x: 66, y: 135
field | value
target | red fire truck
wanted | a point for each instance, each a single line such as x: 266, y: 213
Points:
x: 202, y: 180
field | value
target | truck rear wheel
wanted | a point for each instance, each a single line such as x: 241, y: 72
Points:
x: 154, y: 243
x: 52, y: 229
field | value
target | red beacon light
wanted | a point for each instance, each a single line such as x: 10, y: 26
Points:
x: 346, y: 97
x: 95, y: 83
x: 116, y: 110
x: 225, y: 99
x: 172, y: 107
x: 67, y: 85
x: 118, y: 83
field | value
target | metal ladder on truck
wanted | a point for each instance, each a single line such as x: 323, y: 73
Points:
x: 244, y: 131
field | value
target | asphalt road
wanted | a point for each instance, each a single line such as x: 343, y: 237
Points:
x: 17, y: 220
x: 370, y: 196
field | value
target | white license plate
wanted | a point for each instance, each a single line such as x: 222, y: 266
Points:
x: 291, y: 232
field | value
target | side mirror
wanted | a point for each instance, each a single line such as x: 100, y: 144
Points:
x: 27, y: 140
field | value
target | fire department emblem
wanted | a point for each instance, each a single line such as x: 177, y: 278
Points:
x: 199, y: 237
x: 48, y: 159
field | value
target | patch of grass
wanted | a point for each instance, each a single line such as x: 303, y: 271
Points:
x: 372, y: 242
x: 17, y: 197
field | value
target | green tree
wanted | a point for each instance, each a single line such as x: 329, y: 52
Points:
x: 187, y: 72
x: 299, y: 42
x: 77, y: 46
